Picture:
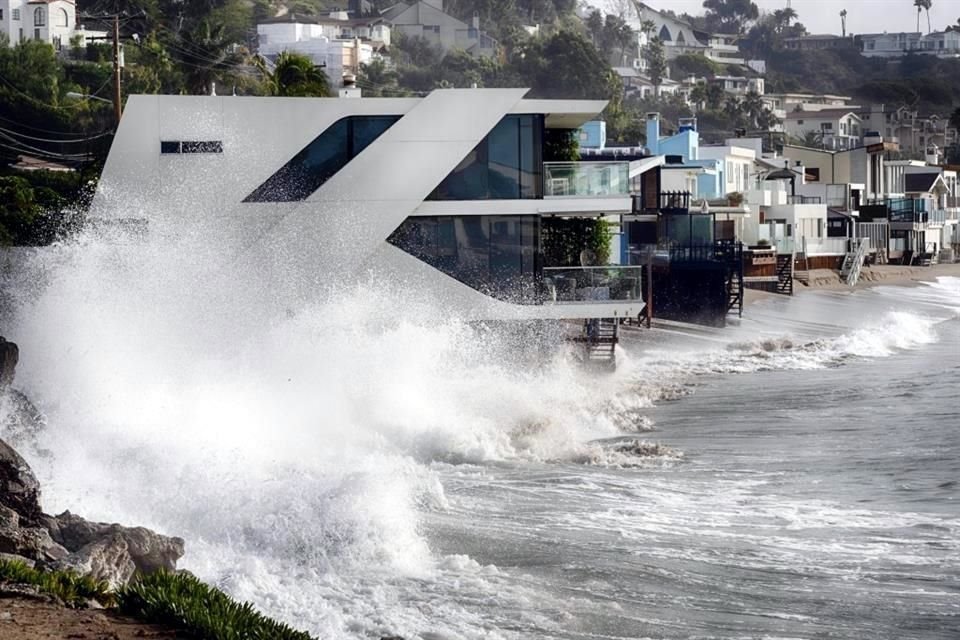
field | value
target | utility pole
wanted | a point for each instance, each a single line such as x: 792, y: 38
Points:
x: 117, y: 108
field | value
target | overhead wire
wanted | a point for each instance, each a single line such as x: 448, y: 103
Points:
x: 56, y: 141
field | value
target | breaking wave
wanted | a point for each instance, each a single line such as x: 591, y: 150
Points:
x: 295, y: 449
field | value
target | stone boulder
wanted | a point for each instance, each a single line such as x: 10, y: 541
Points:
x: 19, y: 489
x: 113, y: 552
x: 9, y: 356
x: 104, y: 551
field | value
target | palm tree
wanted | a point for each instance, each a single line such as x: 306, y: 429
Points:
x: 843, y: 22
x: 698, y: 96
x: 295, y: 75
x: 752, y: 107
x: 206, y: 55
x: 922, y: 5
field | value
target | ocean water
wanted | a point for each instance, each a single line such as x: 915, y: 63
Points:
x: 359, y: 467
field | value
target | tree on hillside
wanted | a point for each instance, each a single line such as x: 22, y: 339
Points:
x: 923, y: 5
x: 730, y: 16
x: 783, y: 17
x: 295, y: 75
x: 206, y: 56
x: 752, y: 108
x: 566, y: 65
x: 656, y: 59
x: 955, y: 118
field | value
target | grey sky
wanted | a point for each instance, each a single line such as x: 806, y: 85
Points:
x: 863, y: 16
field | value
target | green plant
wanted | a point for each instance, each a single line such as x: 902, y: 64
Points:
x: 181, y: 600
x: 70, y: 587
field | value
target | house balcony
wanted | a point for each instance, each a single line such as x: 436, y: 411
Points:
x: 665, y: 202
x: 592, y: 284
x: 586, y: 179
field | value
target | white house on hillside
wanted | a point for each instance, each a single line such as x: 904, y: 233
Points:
x: 332, y: 43
x: 943, y: 44
x: 51, y: 21
x: 838, y: 129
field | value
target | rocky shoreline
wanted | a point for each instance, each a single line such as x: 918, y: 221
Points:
x: 107, y: 552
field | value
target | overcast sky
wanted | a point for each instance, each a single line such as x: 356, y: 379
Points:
x: 863, y: 16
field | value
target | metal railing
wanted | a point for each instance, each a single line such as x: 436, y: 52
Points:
x: 937, y: 216
x: 581, y: 179
x: 592, y: 284
x: 804, y: 200
x: 915, y: 217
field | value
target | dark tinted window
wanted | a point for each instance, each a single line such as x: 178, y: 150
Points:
x: 506, y: 165
x: 191, y: 146
x: 498, y: 255
x: 321, y: 159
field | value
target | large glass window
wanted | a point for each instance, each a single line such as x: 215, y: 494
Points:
x: 506, y: 165
x: 321, y: 159
x: 498, y: 255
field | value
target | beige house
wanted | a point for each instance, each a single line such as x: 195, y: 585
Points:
x: 427, y: 20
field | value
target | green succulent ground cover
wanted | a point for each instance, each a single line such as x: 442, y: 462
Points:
x: 177, y: 600
x: 70, y: 587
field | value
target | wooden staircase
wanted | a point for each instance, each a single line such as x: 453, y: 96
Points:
x: 785, y: 273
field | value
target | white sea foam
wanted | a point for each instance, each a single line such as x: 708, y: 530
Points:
x: 296, y: 449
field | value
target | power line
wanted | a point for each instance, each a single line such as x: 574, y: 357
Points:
x: 56, y: 141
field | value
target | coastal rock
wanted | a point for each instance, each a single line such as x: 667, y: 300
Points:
x: 107, y: 559
x: 138, y: 547
x: 105, y: 551
x: 9, y: 356
x: 19, y: 489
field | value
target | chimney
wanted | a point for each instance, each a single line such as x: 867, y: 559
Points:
x: 475, y: 21
x: 653, y: 133
x: 349, y: 88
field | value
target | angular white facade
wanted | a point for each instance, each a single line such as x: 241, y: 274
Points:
x: 252, y: 178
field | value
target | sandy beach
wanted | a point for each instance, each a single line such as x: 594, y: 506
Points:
x: 888, y: 274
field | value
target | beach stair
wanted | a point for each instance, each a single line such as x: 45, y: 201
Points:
x: 600, y: 337
x: 785, y: 273
x: 853, y: 262
x: 735, y: 293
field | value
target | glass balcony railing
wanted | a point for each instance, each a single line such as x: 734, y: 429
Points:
x: 585, y: 179
x: 591, y: 284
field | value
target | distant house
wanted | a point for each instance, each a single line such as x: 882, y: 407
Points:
x: 943, y: 44
x: 918, y: 136
x: 637, y: 84
x: 837, y: 129
x: 336, y: 42
x: 679, y: 37
x: 819, y: 42
x: 739, y: 85
x: 426, y: 19
x: 50, y: 21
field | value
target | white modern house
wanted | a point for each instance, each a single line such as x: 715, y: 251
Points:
x: 338, y: 44
x: 50, y: 21
x: 445, y: 198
